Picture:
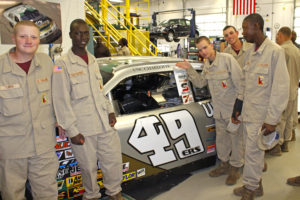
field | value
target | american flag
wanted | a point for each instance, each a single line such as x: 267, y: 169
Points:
x: 57, y: 69
x: 243, y: 7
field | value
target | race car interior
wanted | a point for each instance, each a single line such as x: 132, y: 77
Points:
x: 150, y: 91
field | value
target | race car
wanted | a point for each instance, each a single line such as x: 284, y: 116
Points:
x: 49, y: 31
x: 164, y: 123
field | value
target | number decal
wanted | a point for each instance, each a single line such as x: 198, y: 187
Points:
x: 181, y: 123
x: 208, y: 109
x: 149, y: 135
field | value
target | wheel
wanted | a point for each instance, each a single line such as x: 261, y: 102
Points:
x: 176, y: 40
x: 170, y: 36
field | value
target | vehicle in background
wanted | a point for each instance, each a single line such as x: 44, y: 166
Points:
x: 49, y: 31
x: 172, y: 29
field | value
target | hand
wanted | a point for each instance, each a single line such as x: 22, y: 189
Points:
x: 234, y: 119
x: 61, y: 131
x: 184, y: 65
x: 78, y: 139
x: 112, y: 119
x: 269, y: 128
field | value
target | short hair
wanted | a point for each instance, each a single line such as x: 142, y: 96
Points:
x: 229, y: 26
x: 76, y: 21
x: 25, y: 23
x: 294, y: 36
x: 285, y: 31
x: 124, y: 42
x: 256, y: 18
x: 199, y: 39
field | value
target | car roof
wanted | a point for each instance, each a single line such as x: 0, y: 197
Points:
x: 114, y: 64
x: 20, y: 8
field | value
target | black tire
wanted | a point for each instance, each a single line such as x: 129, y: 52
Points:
x: 170, y: 36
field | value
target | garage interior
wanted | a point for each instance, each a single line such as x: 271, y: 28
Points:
x: 142, y: 23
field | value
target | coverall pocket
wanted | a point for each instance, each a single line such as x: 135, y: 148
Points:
x: 11, y: 101
x: 80, y: 87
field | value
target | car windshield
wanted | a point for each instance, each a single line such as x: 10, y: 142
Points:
x: 30, y: 14
x: 164, y: 23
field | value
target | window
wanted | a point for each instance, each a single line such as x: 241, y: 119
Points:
x: 152, y: 91
x: 146, y: 92
x: 211, y: 24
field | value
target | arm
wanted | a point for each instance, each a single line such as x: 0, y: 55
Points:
x: 61, y: 89
x: 280, y: 88
x: 236, y: 77
x: 197, y: 79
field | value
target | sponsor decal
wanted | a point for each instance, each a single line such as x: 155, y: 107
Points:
x: 211, y: 128
x: 125, y: 167
x: 60, y: 184
x: 211, y: 148
x: 63, y: 145
x: 58, y: 139
x: 210, y: 139
x: 208, y: 108
x: 183, y: 86
x: 68, y: 154
x: 59, y: 154
x: 129, y: 176
x: 73, y: 181
x: 75, y: 192
x: 181, y: 128
x: 141, y: 172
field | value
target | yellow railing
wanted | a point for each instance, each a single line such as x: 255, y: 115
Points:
x: 113, y: 32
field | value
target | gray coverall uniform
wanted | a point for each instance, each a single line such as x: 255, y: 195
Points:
x: 240, y: 57
x: 81, y: 107
x: 124, y: 51
x: 223, y: 79
x: 266, y: 91
x: 27, y: 129
x: 292, y: 56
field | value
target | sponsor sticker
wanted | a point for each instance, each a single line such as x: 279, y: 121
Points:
x: 125, y: 167
x: 211, y: 148
x: 129, y: 176
x: 141, y: 172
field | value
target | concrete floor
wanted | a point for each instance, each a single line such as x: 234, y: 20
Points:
x: 202, y: 187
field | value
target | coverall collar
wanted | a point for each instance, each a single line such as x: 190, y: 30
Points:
x: 288, y: 42
x: 74, y: 59
x: 11, y: 66
x: 214, y: 63
x: 262, y: 46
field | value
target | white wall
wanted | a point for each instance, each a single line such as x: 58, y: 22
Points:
x: 276, y: 13
x: 70, y: 10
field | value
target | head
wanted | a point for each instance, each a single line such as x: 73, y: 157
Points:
x: 26, y: 36
x: 231, y: 35
x: 294, y: 36
x: 284, y: 34
x: 123, y: 42
x: 205, y: 48
x: 79, y: 33
x: 253, y: 25
x: 99, y: 40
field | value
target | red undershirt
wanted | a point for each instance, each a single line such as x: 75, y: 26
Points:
x: 25, y: 66
x: 85, y: 58
x: 236, y: 51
